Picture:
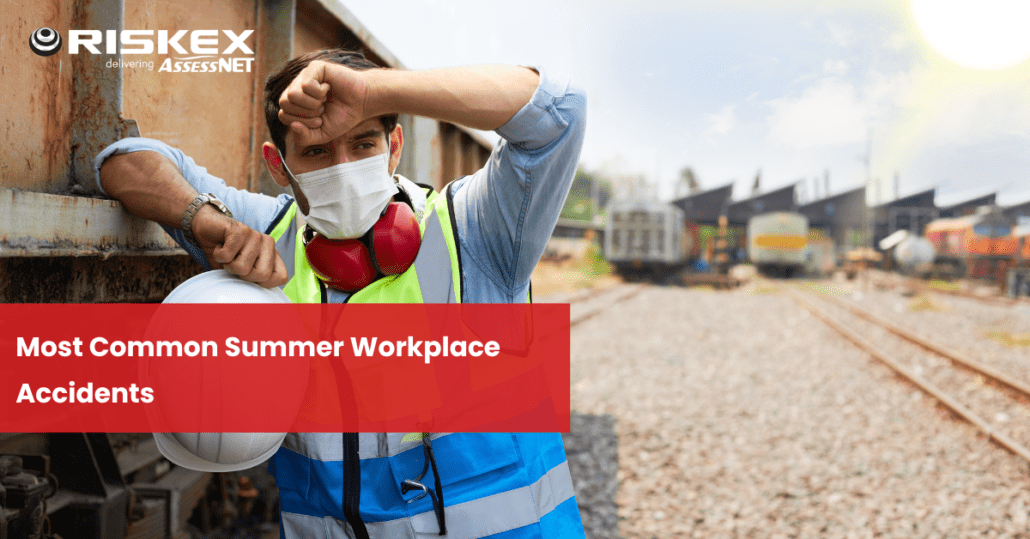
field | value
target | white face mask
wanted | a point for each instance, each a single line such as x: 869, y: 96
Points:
x: 345, y: 200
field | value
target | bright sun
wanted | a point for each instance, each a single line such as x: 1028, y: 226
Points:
x: 979, y: 34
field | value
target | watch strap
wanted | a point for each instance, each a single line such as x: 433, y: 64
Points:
x: 194, y: 207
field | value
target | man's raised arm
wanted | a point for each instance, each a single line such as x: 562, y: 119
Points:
x: 326, y: 99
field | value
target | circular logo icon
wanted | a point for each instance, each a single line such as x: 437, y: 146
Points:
x: 45, y: 41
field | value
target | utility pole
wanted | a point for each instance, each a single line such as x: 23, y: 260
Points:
x: 866, y: 159
x: 593, y: 199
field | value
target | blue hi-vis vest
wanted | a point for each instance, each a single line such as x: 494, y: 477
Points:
x: 494, y: 484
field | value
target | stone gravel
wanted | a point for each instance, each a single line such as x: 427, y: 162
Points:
x: 591, y: 446
x: 739, y: 415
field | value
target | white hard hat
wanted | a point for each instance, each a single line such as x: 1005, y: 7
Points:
x: 217, y: 451
x: 220, y: 286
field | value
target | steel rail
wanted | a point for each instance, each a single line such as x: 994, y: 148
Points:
x: 955, y: 357
x: 591, y: 293
x: 947, y: 400
x: 634, y: 290
x: 994, y: 300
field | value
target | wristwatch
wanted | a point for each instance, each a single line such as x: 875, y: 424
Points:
x: 194, y: 207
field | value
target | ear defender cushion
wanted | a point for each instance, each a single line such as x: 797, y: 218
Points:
x: 396, y: 239
x: 342, y: 264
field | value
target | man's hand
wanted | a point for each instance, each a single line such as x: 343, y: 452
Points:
x: 237, y: 248
x: 323, y: 102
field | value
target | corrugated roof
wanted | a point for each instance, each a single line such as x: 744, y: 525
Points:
x: 781, y: 199
x: 705, y: 206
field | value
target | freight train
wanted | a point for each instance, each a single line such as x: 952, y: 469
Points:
x: 649, y: 239
x: 979, y: 246
x: 778, y: 243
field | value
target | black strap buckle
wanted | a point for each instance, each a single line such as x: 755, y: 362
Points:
x: 409, y: 485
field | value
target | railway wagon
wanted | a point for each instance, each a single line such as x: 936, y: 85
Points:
x: 777, y: 243
x: 649, y: 239
x: 979, y: 246
x: 1017, y: 278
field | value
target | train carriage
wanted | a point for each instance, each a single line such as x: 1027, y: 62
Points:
x: 778, y: 243
x: 649, y: 239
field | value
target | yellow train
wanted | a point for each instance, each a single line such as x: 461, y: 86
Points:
x: 777, y: 243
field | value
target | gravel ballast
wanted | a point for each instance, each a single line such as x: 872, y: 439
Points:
x: 740, y: 415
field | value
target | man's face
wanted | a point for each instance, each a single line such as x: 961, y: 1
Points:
x: 367, y: 139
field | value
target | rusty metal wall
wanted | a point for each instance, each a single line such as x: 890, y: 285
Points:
x: 59, y: 111
x: 35, y: 99
x: 207, y: 115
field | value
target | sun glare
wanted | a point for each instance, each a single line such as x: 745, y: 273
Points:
x: 978, y: 34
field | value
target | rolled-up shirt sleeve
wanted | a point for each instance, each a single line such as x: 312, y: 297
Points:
x: 252, y: 209
x: 506, y: 211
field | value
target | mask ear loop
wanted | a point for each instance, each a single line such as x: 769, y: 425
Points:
x: 298, y: 193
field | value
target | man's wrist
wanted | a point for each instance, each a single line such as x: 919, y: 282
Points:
x: 377, y: 101
x: 199, y: 207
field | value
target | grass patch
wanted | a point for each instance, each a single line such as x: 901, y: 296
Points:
x: 823, y: 288
x: 924, y: 303
x: 760, y: 289
x: 594, y: 264
x: 944, y: 286
x: 1009, y: 339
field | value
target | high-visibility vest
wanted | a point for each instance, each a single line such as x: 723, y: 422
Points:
x: 492, y: 482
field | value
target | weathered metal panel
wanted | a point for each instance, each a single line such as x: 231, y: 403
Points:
x: 471, y: 159
x: 373, y: 48
x: 317, y: 29
x: 276, y: 21
x: 207, y: 115
x: 119, y: 279
x: 98, y: 93
x: 35, y: 99
x: 38, y: 224
x: 420, y: 161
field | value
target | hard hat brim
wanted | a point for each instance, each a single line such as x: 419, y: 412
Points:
x: 179, y: 455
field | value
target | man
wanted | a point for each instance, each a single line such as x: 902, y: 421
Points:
x: 338, y: 155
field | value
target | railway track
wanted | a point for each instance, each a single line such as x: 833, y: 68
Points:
x: 969, y: 388
x: 596, y: 303
x: 922, y: 286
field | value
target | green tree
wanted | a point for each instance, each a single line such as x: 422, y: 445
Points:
x: 589, y: 195
x: 688, y: 183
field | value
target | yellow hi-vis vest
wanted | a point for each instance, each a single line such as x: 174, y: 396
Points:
x: 434, y: 277
x: 508, y: 482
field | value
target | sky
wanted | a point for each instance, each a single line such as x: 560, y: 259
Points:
x: 910, y: 96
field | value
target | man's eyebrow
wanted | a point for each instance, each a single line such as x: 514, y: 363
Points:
x: 371, y: 133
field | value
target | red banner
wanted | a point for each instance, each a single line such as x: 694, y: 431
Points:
x: 284, y: 368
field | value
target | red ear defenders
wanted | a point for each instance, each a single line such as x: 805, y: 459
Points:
x: 388, y: 248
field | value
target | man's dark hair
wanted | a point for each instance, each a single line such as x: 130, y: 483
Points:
x: 278, y: 82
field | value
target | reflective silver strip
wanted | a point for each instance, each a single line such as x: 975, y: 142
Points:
x: 433, y: 264
x: 553, y: 488
x: 328, y: 446
x: 470, y: 520
x: 297, y: 526
x: 286, y: 245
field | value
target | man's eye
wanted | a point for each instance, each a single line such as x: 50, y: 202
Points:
x: 314, y: 151
x: 366, y: 145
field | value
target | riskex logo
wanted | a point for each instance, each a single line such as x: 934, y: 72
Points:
x: 45, y: 41
x: 206, y: 45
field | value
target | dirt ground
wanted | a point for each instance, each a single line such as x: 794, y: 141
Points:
x: 550, y: 278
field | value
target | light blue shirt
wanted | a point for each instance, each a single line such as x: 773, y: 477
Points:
x: 505, y: 212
